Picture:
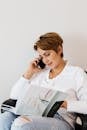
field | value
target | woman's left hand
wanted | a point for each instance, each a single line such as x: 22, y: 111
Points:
x: 64, y: 104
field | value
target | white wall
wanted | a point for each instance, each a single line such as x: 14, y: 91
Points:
x: 22, y: 21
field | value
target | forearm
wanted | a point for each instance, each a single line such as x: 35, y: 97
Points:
x: 18, y: 88
x: 77, y: 106
x: 28, y: 75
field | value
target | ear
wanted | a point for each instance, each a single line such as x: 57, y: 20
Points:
x: 60, y: 49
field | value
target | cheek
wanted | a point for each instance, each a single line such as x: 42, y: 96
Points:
x: 54, y: 57
x: 56, y: 60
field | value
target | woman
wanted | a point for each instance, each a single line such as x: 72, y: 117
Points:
x: 58, y: 74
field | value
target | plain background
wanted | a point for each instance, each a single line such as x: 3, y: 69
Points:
x: 21, y: 23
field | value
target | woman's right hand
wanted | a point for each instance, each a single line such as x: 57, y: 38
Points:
x: 32, y: 69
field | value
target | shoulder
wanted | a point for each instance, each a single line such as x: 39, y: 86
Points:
x: 77, y: 73
x: 74, y: 69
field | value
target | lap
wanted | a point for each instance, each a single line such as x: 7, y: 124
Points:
x: 14, y: 122
x: 41, y: 123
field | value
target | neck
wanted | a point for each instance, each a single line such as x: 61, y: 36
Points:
x: 57, y: 70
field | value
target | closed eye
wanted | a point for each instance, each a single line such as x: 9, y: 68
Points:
x: 46, y: 54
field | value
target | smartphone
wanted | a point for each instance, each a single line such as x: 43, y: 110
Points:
x: 41, y: 64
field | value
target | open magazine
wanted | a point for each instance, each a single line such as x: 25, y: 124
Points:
x: 38, y: 101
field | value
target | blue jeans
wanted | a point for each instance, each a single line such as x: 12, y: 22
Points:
x: 6, y: 120
x: 10, y: 121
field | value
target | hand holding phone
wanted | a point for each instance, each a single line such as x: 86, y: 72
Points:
x: 41, y: 64
x: 34, y: 67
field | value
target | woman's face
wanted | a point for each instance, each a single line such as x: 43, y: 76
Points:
x: 51, y: 58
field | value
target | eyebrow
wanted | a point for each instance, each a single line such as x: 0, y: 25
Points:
x: 44, y: 53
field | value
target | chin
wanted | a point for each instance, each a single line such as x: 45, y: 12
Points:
x: 52, y: 67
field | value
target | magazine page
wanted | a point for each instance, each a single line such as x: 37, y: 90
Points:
x: 38, y: 100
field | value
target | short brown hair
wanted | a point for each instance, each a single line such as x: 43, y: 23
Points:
x: 49, y: 41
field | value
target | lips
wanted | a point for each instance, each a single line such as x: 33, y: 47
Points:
x: 49, y: 64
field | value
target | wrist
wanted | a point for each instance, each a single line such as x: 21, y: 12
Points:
x: 27, y: 75
x: 64, y: 105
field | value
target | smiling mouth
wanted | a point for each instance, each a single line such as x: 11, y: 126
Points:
x: 49, y: 64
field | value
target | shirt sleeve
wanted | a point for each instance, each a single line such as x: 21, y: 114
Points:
x: 23, y: 84
x: 19, y: 87
x: 79, y: 106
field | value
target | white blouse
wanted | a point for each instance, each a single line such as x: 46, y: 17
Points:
x: 72, y: 80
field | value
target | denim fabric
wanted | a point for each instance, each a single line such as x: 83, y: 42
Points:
x: 9, y: 121
x: 41, y: 123
x: 6, y: 120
